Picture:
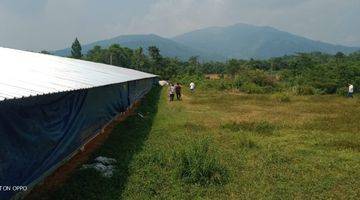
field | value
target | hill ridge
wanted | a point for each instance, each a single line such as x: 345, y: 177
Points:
x: 219, y: 43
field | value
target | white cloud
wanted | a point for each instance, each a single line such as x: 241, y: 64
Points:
x: 52, y: 24
x: 316, y: 19
x: 171, y: 17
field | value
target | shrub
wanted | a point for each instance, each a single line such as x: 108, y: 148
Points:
x: 342, y: 91
x: 209, y: 84
x: 216, y: 84
x: 187, y: 79
x: 327, y: 87
x: 252, y: 88
x: 255, y: 82
x: 282, y: 97
x: 223, y: 85
x: 262, y: 78
x: 198, y: 165
x: 304, y: 90
x: 269, y: 89
x: 239, y: 82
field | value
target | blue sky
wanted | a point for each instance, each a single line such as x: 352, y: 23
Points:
x: 53, y: 24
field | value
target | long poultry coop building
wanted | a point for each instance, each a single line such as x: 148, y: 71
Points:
x: 51, y: 106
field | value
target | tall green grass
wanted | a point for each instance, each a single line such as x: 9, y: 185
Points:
x: 198, y: 164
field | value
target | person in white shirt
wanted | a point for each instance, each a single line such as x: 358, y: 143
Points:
x: 171, y: 92
x: 192, y: 86
x: 351, y: 91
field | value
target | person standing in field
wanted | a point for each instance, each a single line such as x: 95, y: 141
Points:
x: 178, y: 91
x: 350, y: 91
x: 171, y: 92
x: 192, y: 87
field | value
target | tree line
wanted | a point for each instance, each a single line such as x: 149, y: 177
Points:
x: 305, y: 73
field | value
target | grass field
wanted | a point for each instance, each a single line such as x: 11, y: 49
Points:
x: 223, y: 145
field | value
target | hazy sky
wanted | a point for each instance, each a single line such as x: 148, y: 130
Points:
x: 53, y: 24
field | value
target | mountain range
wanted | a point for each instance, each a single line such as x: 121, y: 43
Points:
x: 241, y: 41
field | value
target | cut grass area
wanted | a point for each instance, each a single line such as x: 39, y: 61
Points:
x: 222, y: 145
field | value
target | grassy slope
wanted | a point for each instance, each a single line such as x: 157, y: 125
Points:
x: 314, y: 151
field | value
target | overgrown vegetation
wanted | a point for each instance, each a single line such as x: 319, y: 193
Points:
x: 300, y: 74
x: 198, y: 164
x: 254, y: 148
x: 282, y: 97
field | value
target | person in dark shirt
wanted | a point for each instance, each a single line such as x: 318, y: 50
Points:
x: 178, y: 91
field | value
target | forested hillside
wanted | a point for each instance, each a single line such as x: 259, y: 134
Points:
x: 261, y: 42
x: 239, y: 41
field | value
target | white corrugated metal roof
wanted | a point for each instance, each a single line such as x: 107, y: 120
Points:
x: 24, y: 74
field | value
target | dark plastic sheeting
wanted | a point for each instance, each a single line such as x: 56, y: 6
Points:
x: 38, y: 133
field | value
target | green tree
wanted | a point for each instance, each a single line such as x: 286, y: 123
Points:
x: 76, y: 49
x: 120, y: 56
x: 157, y: 61
x: 193, y: 65
x: 139, y: 60
x: 171, y: 67
x: 232, y: 66
x: 339, y: 55
x: 194, y: 61
x: 154, y: 53
x: 276, y: 63
x: 97, y: 54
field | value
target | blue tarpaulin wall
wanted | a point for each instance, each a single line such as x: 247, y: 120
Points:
x: 38, y: 133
